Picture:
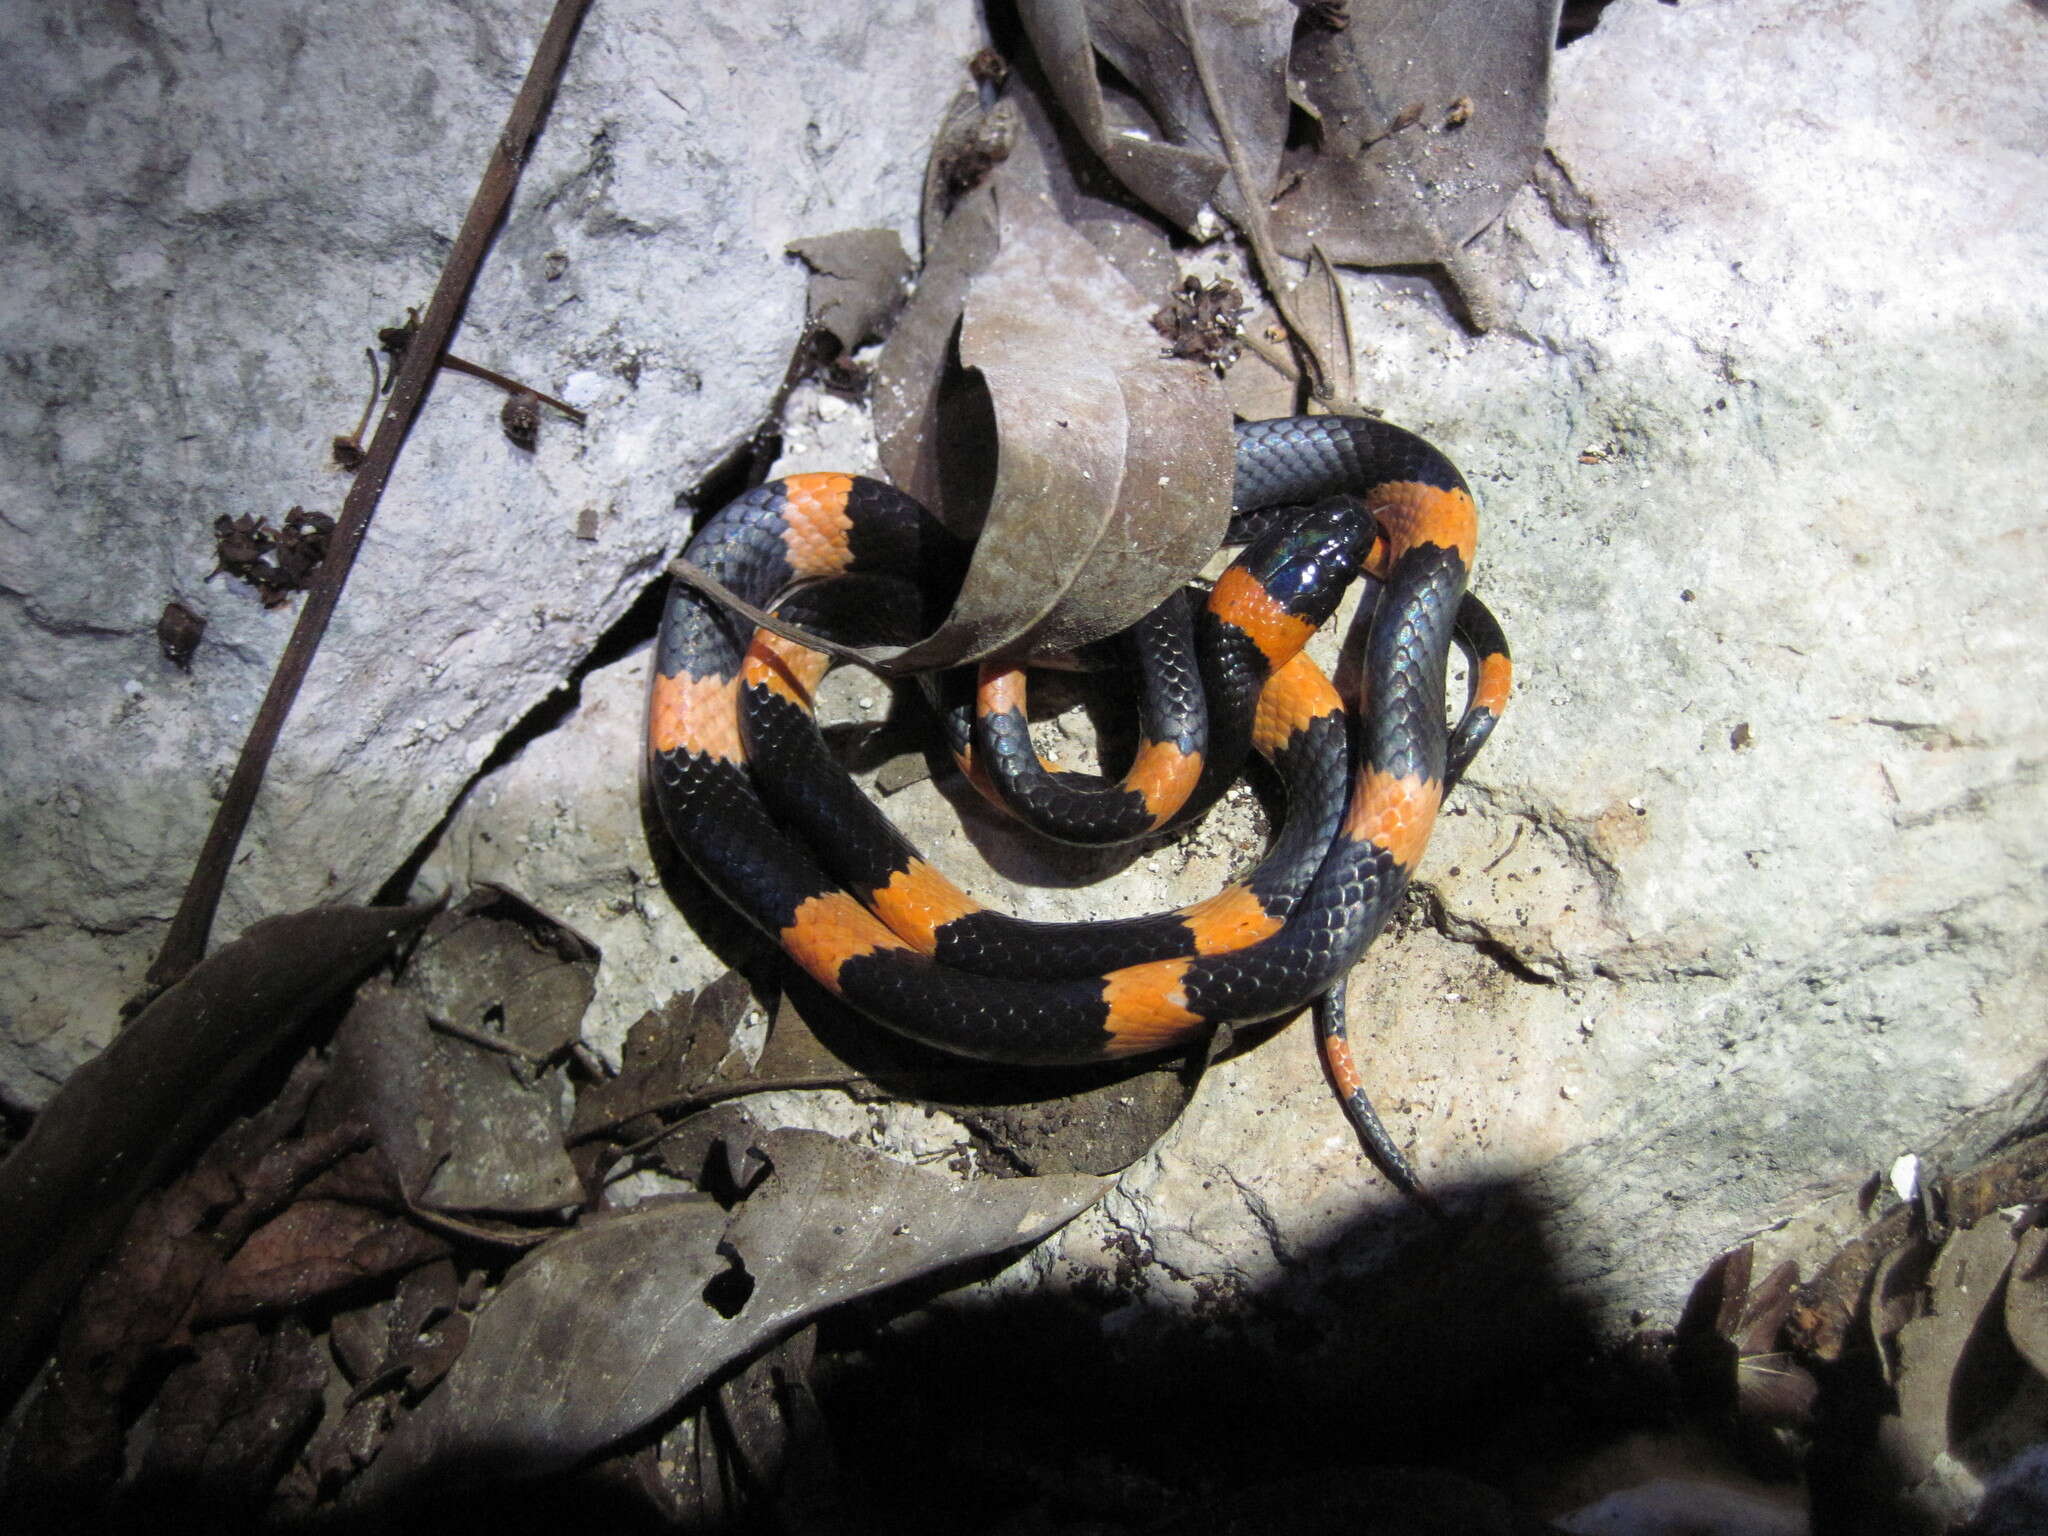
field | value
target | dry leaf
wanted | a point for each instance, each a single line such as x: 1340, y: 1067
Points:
x: 1429, y: 117
x: 1096, y: 471
x: 1176, y: 178
x: 2026, y: 1299
x: 460, y: 1125
x: 1114, y: 475
x: 857, y: 282
x: 309, y: 1250
x: 604, y: 1329
x: 1961, y: 1287
x: 137, y: 1111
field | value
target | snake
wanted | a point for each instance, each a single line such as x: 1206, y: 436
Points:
x: 767, y: 819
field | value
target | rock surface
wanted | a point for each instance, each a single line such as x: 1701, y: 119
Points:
x: 210, y: 212
x: 1744, y: 899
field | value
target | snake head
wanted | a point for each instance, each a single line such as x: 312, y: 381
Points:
x: 1306, y: 564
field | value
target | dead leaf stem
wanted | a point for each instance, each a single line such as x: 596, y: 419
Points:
x: 1256, y: 228
x: 456, y: 364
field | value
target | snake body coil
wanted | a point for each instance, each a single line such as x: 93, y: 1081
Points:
x: 852, y: 904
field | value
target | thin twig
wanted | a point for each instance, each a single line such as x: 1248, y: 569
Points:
x: 489, y: 1042
x: 1256, y: 229
x: 185, y: 943
x: 456, y: 364
x: 1344, y: 390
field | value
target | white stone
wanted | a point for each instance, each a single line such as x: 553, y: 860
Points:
x: 212, y: 209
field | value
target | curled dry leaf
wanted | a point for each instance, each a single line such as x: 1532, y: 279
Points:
x: 1113, y: 478
x: 1933, y: 1351
x: 1831, y: 1303
x: 1095, y: 470
x: 1211, y: 94
x: 606, y: 1328
x: 1169, y: 156
x: 1113, y: 481
x: 2026, y: 1299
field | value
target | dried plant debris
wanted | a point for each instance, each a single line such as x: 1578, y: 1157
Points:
x: 1731, y: 1368
x: 1397, y: 165
x: 709, y: 1049
x: 129, y: 1118
x: 231, y: 1415
x: 178, y: 632
x: 348, y: 451
x: 755, y: 1454
x: 266, y: 1324
x: 975, y: 137
x: 453, y: 1064
x: 1112, y: 482
x: 1203, y: 321
x: 1906, y: 1374
x: 1824, y: 1323
x: 677, y: 1058
x: 519, y: 419
x: 166, y: 1280
x: 859, y: 278
x: 605, y: 1329
x: 1402, y: 167
x: 276, y: 562
x: 1155, y: 132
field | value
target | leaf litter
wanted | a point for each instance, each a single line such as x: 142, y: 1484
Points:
x: 1906, y: 1373
x: 291, y: 1306
x: 606, y: 1328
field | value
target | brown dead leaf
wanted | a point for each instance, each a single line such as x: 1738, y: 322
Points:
x: 933, y: 432
x: 498, y: 966
x: 1114, y: 476
x: 229, y: 1418
x: 1961, y: 1287
x: 670, y: 1058
x: 1404, y: 168
x: 603, y: 1329
x: 2026, y: 1299
x: 310, y: 1250
x: 461, y: 1126
x: 857, y: 283
x: 1096, y: 471
x: 136, y: 1307
x: 1830, y: 1304
x: 453, y: 1065
x: 1167, y: 170
x: 138, y: 1110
